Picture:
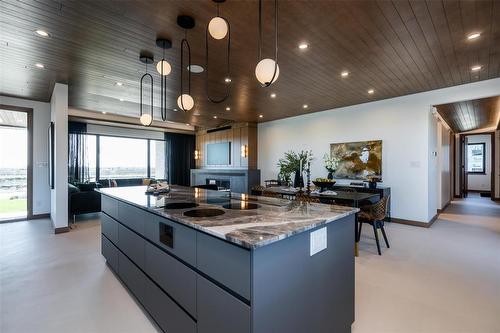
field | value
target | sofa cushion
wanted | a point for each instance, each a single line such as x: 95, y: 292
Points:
x: 72, y: 189
x: 85, y: 187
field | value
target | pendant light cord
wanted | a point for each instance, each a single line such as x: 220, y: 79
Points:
x: 142, y: 88
x: 163, y: 88
x: 185, y: 42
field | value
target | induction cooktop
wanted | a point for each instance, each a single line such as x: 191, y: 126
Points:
x: 241, y: 205
x: 204, y: 212
x: 180, y: 205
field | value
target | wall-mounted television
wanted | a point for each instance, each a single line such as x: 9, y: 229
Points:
x: 219, y: 153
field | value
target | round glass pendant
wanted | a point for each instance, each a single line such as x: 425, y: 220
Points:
x: 166, y: 67
x: 217, y: 27
x: 146, y: 119
x: 264, y: 71
x: 187, y: 102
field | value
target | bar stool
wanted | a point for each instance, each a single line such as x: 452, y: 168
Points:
x: 375, y: 215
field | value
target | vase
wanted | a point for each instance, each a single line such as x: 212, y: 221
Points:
x: 330, y: 175
x: 372, y: 184
x: 299, y: 180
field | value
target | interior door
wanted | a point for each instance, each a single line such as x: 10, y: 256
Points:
x: 463, y: 166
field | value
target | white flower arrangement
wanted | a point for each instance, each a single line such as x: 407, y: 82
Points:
x: 331, y: 163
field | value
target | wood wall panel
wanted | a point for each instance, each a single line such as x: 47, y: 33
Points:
x: 239, y: 134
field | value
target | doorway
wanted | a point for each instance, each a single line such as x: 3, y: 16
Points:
x: 15, y: 163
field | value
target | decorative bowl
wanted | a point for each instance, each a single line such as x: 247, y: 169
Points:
x: 324, y: 185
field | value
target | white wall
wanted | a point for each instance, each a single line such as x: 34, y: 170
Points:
x: 402, y: 123
x: 41, y: 121
x: 444, y: 171
x: 497, y: 164
x: 59, y: 195
x: 481, y: 182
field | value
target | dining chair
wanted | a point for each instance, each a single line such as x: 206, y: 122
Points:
x: 374, y: 215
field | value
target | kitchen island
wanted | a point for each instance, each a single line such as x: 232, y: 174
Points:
x: 218, y: 262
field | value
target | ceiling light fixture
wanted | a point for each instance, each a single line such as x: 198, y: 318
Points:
x: 344, y: 74
x: 476, y: 68
x: 371, y: 91
x: 303, y: 46
x: 185, y: 101
x: 473, y: 35
x: 228, y: 108
x: 39, y: 65
x: 103, y: 112
x: 121, y: 99
x: 119, y: 84
x: 164, y: 68
x: 267, y: 70
x: 273, y: 95
x: 146, y: 118
x: 260, y: 115
x: 42, y: 33
x: 218, y: 28
x: 215, y: 117
x: 305, y: 106
x: 196, y: 69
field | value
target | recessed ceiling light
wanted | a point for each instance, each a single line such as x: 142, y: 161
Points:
x: 195, y: 69
x: 121, y: 99
x: 119, y: 84
x: 303, y: 46
x: 371, y: 91
x: 228, y: 108
x: 42, y: 33
x: 344, y: 74
x: 103, y: 112
x: 305, y: 106
x: 261, y: 116
x: 39, y: 65
x: 476, y: 68
x: 170, y: 122
x: 227, y: 79
x: 473, y: 35
x: 174, y: 109
x: 188, y: 125
x: 273, y: 95
x: 215, y: 117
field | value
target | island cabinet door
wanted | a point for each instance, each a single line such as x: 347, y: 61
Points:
x: 109, y: 227
x: 109, y: 206
x: 219, y: 311
x: 226, y: 263
x: 110, y: 252
x: 132, y: 276
x: 132, y: 245
x: 133, y: 217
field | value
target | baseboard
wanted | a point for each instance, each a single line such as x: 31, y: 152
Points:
x: 439, y: 211
x: 61, y: 230
x: 495, y: 199
x: 415, y: 223
x: 40, y: 216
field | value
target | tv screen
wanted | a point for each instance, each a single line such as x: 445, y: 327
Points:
x: 219, y: 153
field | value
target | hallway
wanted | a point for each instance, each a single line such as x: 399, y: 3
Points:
x: 438, y: 280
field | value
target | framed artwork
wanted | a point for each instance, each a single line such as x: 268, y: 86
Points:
x: 358, y: 160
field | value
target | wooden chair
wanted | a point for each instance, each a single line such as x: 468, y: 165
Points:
x: 306, y: 198
x: 375, y: 215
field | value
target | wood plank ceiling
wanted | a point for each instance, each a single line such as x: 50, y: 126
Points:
x: 471, y: 115
x: 393, y: 47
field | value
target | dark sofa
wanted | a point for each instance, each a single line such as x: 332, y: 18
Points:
x: 83, y: 199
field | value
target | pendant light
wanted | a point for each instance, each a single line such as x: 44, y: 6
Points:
x: 146, y: 118
x: 185, y: 101
x: 164, y: 68
x: 267, y: 70
x: 218, y: 28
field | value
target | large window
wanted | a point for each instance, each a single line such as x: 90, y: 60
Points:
x: 157, y: 159
x: 476, y: 158
x: 123, y: 158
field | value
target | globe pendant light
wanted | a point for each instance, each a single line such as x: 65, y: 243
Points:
x: 218, y: 27
x: 164, y: 68
x: 185, y: 101
x: 267, y: 70
x: 218, y: 31
x: 146, y: 118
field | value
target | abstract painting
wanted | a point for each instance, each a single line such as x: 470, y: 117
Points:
x: 358, y: 160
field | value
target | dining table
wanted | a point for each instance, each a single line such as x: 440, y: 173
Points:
x: 337, y: 197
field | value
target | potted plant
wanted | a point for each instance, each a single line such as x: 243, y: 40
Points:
x: 331, y: 165
x: 296, y: 163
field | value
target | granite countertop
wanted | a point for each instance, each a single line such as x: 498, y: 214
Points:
x: 272, y: 220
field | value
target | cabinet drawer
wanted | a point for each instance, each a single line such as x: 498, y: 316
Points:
x: 166, y: 313
x: 110, y: 252
x: 109, y: 227
x: 109, y: 206
x: 133, y: 217
x: 225, y: 263
x: 173, y: 237
x: 220, y: 312
x: 132, y: 245
x: 174, y: 277
x: 131, y: 276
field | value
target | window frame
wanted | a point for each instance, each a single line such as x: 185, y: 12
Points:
x: 483, y: 172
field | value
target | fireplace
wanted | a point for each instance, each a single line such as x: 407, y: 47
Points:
x: 222, y: 184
